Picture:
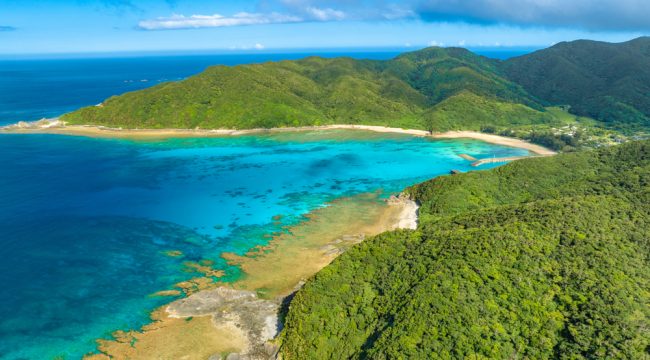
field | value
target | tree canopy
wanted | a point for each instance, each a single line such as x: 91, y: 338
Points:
x: 541, y: 258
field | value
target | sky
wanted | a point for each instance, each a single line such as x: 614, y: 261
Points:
x: 89, y: 26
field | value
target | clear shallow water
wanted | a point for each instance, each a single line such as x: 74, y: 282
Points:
x: 84, y: 223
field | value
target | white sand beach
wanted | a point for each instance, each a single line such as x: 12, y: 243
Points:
x: 55, y: 126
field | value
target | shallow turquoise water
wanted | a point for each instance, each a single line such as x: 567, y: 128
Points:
x: 84, y: 222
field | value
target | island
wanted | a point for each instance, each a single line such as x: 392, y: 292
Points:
x: 545, y: 257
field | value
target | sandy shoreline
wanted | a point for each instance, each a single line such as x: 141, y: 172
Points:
x: 56, y: 127
x: 496, y: 139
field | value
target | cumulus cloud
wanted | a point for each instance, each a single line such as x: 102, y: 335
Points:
x: 216, y: 20
x: 587, y: 14
x: 309, y: 13
x: 328, y: 14
x: 286, y: 11
x: 7, y: 28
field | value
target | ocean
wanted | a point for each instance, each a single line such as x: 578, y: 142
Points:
x: 87, y: 225
x: 36, y: 88
x: 32, y: 89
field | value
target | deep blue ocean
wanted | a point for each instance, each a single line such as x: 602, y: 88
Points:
x: 85, y: 223
x: 32, y: 89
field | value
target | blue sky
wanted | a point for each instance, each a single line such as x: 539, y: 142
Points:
x: 73, y: 26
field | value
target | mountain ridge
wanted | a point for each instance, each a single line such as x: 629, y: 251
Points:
x: 550, y: 98
x: 607, y: 81
x: 314, y: 91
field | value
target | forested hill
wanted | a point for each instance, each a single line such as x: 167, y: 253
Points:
x: 541, y: 258
x: 435, y: 89
x: 606, y: 81
x: 432, y: 89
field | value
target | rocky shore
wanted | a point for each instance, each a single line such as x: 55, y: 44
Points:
x: 241, y: 320
x: 256, y: 320
x: 409, y: 217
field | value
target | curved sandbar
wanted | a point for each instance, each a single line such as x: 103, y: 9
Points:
x: 496, y: 139
x: 54, y: 126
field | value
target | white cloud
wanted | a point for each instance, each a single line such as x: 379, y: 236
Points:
x: 309, y: 13
x: 258, y: 46
x: 435, y: 43
x: 324, y: 14
x: 585, y: 14
x: 397, y: 12
x: 292, y: 11
x: 216, y: 20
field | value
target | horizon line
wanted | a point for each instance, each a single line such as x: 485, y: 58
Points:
x: 265, y: 51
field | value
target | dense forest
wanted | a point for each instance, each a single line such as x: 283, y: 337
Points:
x: 541, y: 258
x: 434, y: 89
x: 609, y: 82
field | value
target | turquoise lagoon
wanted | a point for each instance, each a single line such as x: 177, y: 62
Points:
x: 85, y: 223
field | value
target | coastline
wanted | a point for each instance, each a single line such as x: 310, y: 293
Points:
x: 55, y: 126
x: 272, y: 273
x: 243, y: 317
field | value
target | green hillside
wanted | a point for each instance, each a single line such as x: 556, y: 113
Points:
x: 414, y: 90
x: 541, y: 258
x: 606, y: 81
x: 434, y: 89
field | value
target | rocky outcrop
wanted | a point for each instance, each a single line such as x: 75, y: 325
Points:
x: 256, y: 318
x: 408, y: 219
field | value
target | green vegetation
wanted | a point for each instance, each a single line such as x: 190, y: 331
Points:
x: 609, y: 82
x: 468, y: 111
x: 541, y: 258
x: 566, y: 132
x: 434, y: 89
